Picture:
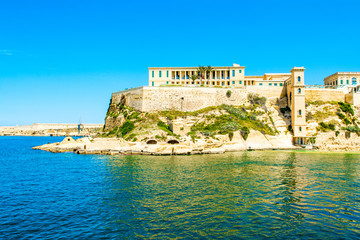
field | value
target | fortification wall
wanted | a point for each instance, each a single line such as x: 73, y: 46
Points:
x: 132, y: 98
x: 148, y: 99
x: 325, y: 95
x: 268, y: 91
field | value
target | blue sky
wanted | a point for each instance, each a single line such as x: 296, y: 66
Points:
x: 61, y: 60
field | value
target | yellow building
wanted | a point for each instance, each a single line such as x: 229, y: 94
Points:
x: 342, y: 78
x: 231, y: 76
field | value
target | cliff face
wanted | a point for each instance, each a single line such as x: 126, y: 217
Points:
x: 336, y: 125
x: 256, y: 113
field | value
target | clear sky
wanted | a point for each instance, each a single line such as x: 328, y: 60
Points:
x: 60, y: 60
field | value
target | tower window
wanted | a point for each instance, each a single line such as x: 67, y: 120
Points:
x: 159, y: 73
x: 167, y: 73
x: 152, y: 73
x: 233, y: 71
x: 300, y: 112
x: 239, y: 71
x: 299, y: 90
x: 299, y: 79
x: 300, y: 129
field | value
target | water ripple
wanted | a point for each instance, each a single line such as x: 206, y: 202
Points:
x: 250, y: 195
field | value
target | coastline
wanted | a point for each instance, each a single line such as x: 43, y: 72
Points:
x: 103, y: 146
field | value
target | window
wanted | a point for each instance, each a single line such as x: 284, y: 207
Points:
x: 233, y: 73
x: 341, y: 81
x: 152, y: 73
x: 275, y: 84
x: 159, y: 73
x: 222, y: 84
x: 167, y: 82
x: 260, y: 84
x: 347, y: 81
x: 353, y: 81
x: 239, y: 71
x: 240, y: 82
x: 233, y: 82
x: 152, y: 84
x: 167, y: 73
x: 300, y: 112
x: 299, y: 79
x: 299, y: 90
x: 281, y: 84
x: 300, y: 129
x: 270, y: 84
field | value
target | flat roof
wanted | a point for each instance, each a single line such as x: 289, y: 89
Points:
x: 194, y: 67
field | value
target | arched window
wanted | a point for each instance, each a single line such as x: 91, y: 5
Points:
x: 341, y: 81
x: 299, y: 90
x: 300, y: 112
x: 299, y: 79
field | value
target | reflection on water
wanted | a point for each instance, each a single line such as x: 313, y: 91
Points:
x: 244, y: 195
x: 250, y: 194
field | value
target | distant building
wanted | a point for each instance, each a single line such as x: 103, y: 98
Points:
x: 342, y: 78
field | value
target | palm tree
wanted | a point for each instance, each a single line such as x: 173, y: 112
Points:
x: 193, y: 78
x: 201, y: 70
x: 209, y: 70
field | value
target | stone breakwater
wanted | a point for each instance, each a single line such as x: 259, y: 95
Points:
x: 116, y: 146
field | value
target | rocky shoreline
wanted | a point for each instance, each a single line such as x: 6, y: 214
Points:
x: 116, y: 146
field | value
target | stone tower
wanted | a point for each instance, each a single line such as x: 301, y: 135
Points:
x: 296, y: 94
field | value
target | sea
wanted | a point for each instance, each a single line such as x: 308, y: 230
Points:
x: 243, y: 195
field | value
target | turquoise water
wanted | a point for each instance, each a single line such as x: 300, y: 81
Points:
x: 249, y: 195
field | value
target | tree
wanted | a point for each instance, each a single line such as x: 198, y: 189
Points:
x: 209, y: 70
x: 193, y: 78
x: 201, y: 70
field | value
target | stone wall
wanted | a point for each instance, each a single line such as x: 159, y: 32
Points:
x: 148, y: 99
x: 268, y: 91
x: 324, y: 95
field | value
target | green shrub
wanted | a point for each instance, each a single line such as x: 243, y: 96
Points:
x: 337, y: 133
x: 331, y: 126
x: 341, y: 116
x: 309, y: 116
x: 126, y: 128
x: 165, y: 127
x: 324, y: 127
x: 244, y: 131
x: 254, y: 98
x: 346, y: 108
x: 231, y: 135
x: 285, y: 109
x: 228, y: 93
x: 346, y: 121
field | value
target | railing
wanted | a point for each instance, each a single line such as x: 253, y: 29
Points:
x: 320, y: 86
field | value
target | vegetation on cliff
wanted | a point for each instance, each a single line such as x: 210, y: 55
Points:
x: 333, y: 116
x: 127, y: 123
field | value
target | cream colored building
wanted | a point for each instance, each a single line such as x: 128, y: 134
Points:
x: 342, y: 78
x: 232, y: 76
x: 290, y: 84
